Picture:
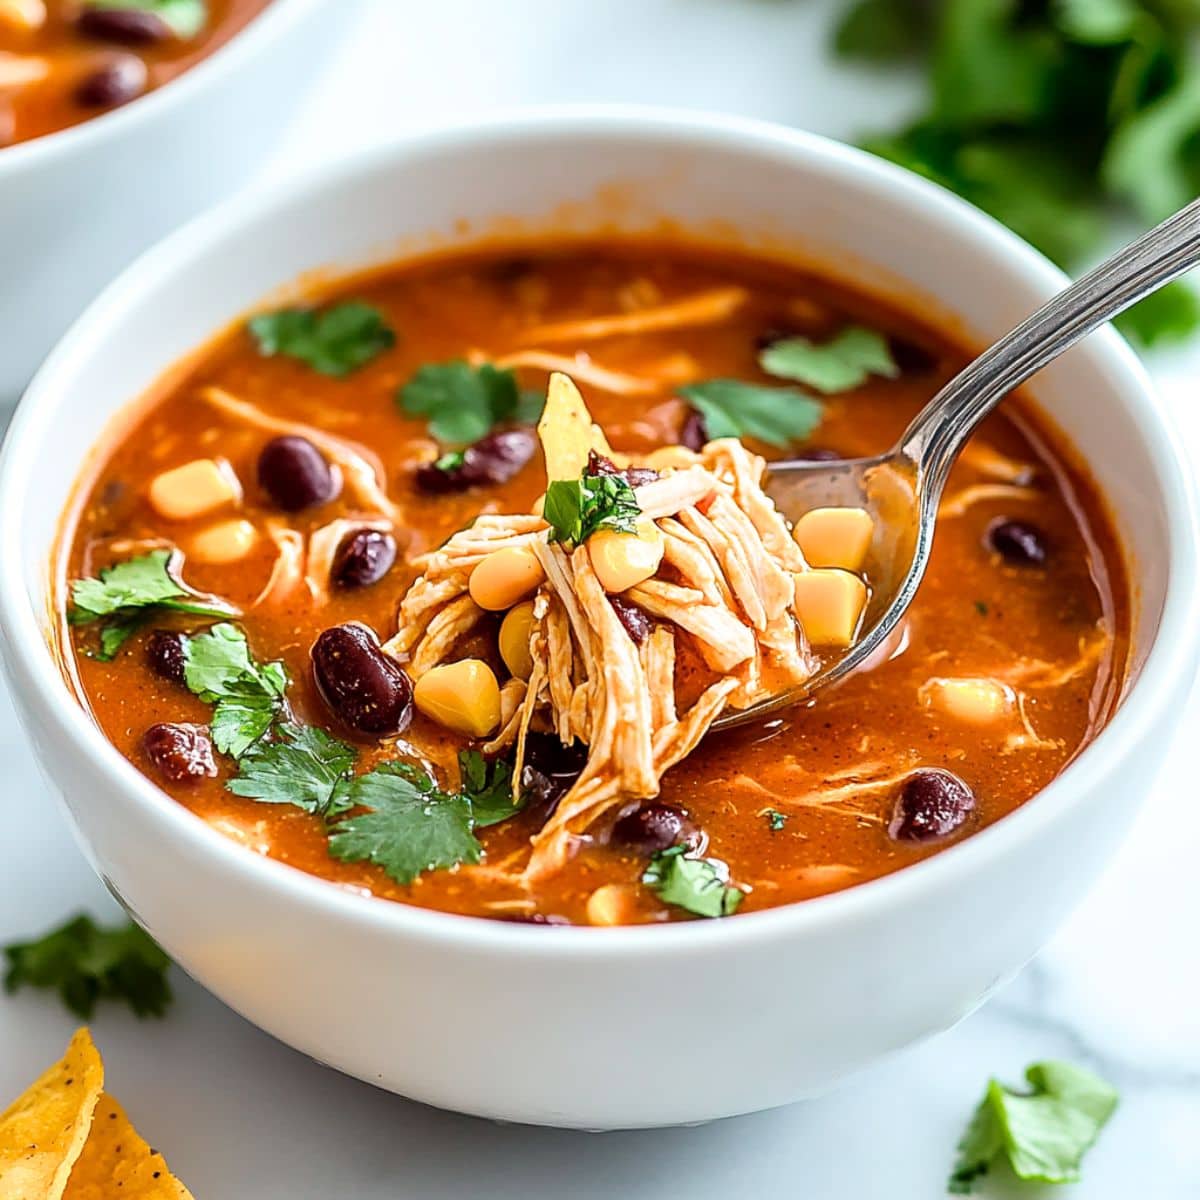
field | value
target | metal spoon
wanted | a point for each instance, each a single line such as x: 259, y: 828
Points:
x: 902, y: 488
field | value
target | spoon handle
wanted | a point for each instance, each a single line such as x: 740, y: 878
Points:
x: 939, y: 431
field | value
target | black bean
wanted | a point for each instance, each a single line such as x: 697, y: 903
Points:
x: 932, y: 804
x: 549, y: 770
x: 130, y: 26
x: 537, y: 919
x: 493, y: 459
x: 598, y: 464
x: 364, y: 558
x: 652, y: 828
x: 294, y: 473
x: 180, y: 752
x: 121, y: 79
x: 912, y: 358
x: 164, y: 652
x: 636, y: 620
x: 363, y: 687
x: 1017, y: 542
x: 694, y: 434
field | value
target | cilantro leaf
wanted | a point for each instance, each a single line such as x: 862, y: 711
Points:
x: 85, y: 962
x: 125, y: 594
x: 488, y: 786
x: 775, y: 819
x: 1044, y: 1132
x: 461, y: 402
x: 301, y: 765
x: 1169, y: 315
x: 1058, y: 118
x: 186, y: 18
x: 775, y: 415
x: 575, y: 508
x: 695, y: 884
x: 248, y: 696
x: 841, y: 364
x: 409, y: 827
x: 334, y: 341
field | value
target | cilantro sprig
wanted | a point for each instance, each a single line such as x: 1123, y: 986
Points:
x: 301, y: 765
x: 85, y: 963
x: 775, y: 415
x: 124, y: 596
x: 695, y: 884
x: 334, y: 341
x: 576, y: 508
x: 248, y: 695
x: 408, y: 825
x: 1059, y: 118
x: 1043, y: 1132
x: 185, y: 18
x: 489, y: 788
x: 847, y: 360
x: 463, y: 403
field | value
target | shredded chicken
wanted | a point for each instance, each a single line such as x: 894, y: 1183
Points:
x: 978, y: 493
x: 707, y: 308
x: 651, y: 380
x: 361, y: 469
x: 726, y: 586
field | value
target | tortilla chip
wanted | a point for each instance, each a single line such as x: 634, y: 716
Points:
x: 43, y: 1131
x: 567, y: 431
x: 116, y: 1161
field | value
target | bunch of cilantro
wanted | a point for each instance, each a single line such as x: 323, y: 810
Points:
x: 1068, y: 120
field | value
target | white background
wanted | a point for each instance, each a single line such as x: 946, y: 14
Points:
x: 240, y: 1116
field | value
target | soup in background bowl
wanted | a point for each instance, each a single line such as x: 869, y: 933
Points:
x: 784, y: 1001
x: 106, y: 146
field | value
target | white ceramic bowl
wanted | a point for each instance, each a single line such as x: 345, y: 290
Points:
x: 77, y: 206
x: 585, y: 1027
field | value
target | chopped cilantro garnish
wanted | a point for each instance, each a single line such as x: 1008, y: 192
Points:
x: 300, y: 765
x: 575, y: 508
x: 186, y: 18
x: 124, y: 595
x: 695, y: 884
x: 1043, y: 1133
x: 409, y: 827
x: 981, y: 607
x: 846, y: 361
x: 489, y: 788
x: 775, y: 415
x: 1060, y: 119
x: 334, y: 341
x: 85, y: 962
x: 463, y: 403
x: 775, y: 819
x: 220, y: 669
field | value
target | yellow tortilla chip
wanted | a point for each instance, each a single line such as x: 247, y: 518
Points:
x: 567, y: 431
x: 43, y: 1131
x: 117, y: 1162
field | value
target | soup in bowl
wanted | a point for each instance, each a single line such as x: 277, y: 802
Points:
x: 415, y: 597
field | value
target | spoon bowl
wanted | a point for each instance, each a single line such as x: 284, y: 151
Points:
x: 903, y: 488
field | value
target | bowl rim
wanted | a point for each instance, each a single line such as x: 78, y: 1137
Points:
x: 32, y: 670
x: 109, y: 125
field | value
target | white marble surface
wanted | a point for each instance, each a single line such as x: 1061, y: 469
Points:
x: 244, y: 1118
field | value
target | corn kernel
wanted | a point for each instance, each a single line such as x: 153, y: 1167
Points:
x: 505, y: 577
x: 623, y: 560
x: 463, y: 696
x: 835, y: 537
x: 515, y: 632
x: 194, y: 489
x: 971, y: 700
x: 224, y: 542
x: 829, y: 605
x: 612, y: 904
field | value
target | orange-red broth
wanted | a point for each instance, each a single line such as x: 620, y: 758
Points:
x: 1058, y: 634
